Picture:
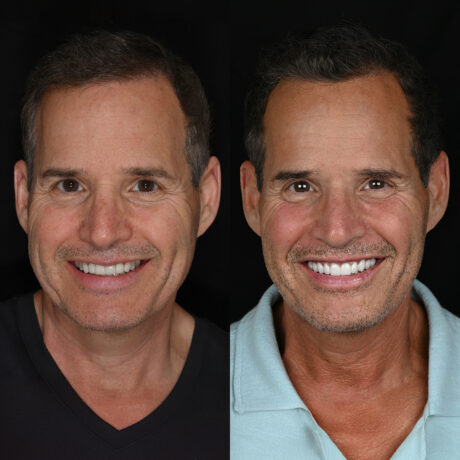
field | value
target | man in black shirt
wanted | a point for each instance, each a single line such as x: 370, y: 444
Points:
x: 116, y: 186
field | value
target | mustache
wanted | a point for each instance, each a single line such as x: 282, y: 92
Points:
x: 378, y: 250
x: 146, y: 251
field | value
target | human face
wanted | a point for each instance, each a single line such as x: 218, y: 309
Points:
x: 341, y: 194
x: 112, y: 193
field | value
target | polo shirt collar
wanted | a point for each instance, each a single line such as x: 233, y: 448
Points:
x: 260, y: 380
x: 444, y: 355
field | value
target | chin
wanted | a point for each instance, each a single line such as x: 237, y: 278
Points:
x: 105, y: 320
x: 342, y: 322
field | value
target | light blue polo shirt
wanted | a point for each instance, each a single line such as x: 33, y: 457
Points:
x: 269, y: 421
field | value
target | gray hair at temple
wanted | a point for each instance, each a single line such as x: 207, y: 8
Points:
x: 338, y: 54
x: 103, y: 56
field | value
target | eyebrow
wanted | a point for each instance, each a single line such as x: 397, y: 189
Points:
x: 147, y: 172
x: 136, y: 171
x: 62, y: 172
x: 381, y: 174
x: 292, y: 174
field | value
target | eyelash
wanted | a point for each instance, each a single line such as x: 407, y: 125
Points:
x: 300, y: 187
x: 305, y: 187
x: 384, y: 184
x: 154, y: 186
x: 60, y: 185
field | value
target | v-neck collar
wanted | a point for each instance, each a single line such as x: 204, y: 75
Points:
x: 155, y: 422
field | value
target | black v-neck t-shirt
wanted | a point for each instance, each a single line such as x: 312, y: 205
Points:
x: 42, y: 417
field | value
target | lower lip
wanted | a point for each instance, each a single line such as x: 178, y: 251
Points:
x: 342, y: 282
x: 98, y: 283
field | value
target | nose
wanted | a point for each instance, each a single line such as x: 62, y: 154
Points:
x: 340, y: 220
x: 105, y: 223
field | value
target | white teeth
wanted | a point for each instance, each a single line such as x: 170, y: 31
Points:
x: 345, y: 269
x: 120, y: 268
x: 335, y: 270
x: 107, y: 270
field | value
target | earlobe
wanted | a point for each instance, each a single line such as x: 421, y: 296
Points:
x: 21, y: 193
x: 210, y: 184
x: 251, y: 195
x: 438, y: 188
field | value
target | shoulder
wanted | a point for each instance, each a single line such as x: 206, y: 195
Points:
x: 440, y: 319
x: 11, y: 309
x: 16, y: 316
x: 257, y: 321
x: 214, y: 337
x: 211, y: 348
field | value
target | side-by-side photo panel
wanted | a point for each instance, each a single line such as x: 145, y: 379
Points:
x: 114, y: 313
x: 345, y: 335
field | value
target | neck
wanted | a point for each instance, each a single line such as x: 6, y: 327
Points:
x: 154, y: 350
x: 381, y: 356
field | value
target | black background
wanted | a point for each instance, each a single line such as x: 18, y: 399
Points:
x: 222, y: 43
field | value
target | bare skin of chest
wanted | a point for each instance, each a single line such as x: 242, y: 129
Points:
x: 122, y: 408
x: 365, y: 427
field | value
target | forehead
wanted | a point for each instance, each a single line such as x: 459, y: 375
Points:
x: 366, y: 117
x: 120, y: 121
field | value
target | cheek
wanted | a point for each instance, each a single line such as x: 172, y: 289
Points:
x: 399, y: 222
x: 168, y: 228
x: 51, y: 225
x: 283, y: 224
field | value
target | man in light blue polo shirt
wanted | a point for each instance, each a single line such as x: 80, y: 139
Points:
x: 348, y: 356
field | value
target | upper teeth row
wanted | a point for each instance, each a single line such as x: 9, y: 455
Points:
x: 108, y: 270
x: 347, y: 268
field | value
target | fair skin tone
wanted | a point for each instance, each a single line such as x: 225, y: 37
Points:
x: 112, y: 188
x: 340, y: 186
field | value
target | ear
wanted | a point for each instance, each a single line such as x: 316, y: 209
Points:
x: 209, y: 189
x: 21, y: 193
x: 438, y: 190
x: 251, y: 195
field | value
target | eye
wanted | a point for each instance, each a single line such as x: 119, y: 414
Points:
x: 300, y: 187
x: 375, y: 184
x: 145, y: 186
x: 69, y: 186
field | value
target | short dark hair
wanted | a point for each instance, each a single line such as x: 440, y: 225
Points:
x: 102, y: 56
x: 338, y: 54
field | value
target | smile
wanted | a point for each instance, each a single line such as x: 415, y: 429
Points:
x: 341, y: 269
x: 107, y: 270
